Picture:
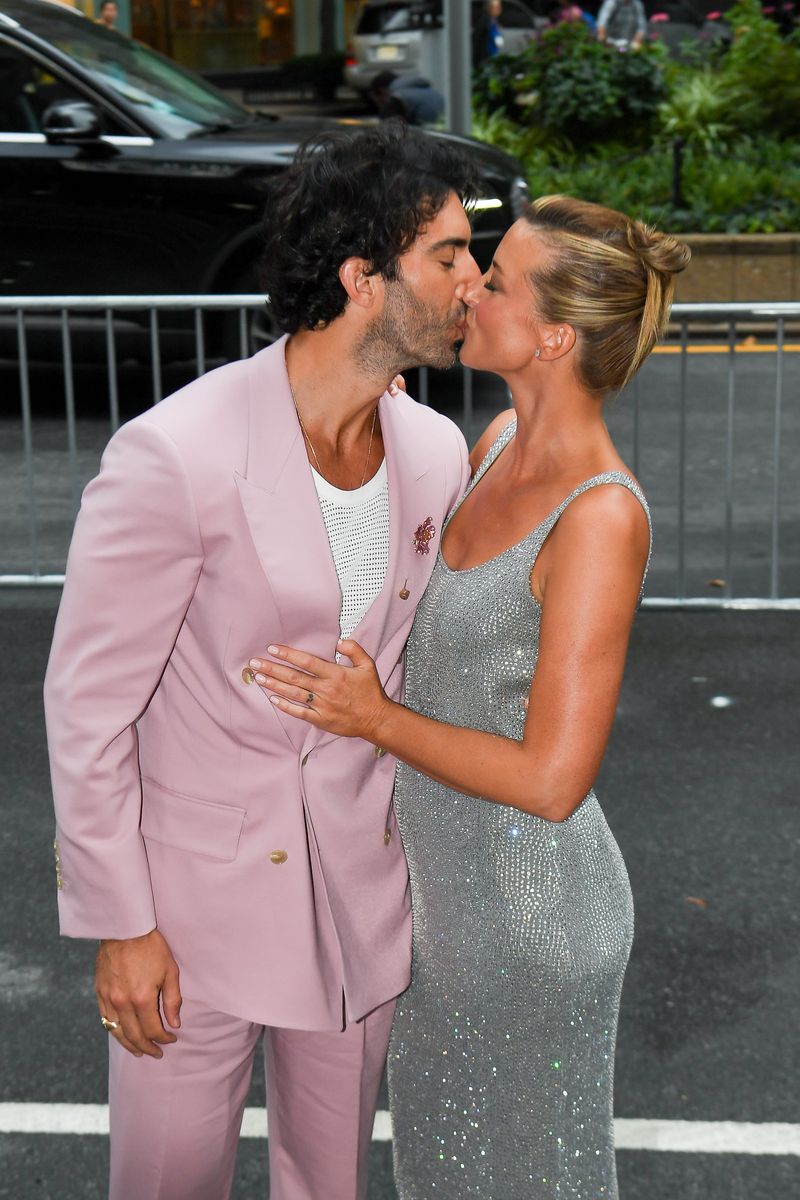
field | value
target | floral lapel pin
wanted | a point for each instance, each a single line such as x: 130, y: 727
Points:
x: 424, y: 533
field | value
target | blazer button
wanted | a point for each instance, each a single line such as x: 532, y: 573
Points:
x: 379, y: 751
x: 278, y: 857
x: 387, y: 836
x: 248, y: 675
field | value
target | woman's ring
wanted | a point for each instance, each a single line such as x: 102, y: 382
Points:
x: 310, y: 698
x: 109, y: 1026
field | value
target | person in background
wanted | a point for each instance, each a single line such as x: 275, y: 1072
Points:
x: 108, y: 14
x: 411, y: 97
x: 622, y: 22
x: 487, y: 36
x: 572, y: 14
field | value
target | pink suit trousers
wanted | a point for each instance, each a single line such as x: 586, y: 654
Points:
x: 175, y: 1121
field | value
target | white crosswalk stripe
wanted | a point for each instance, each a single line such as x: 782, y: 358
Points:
x: 687, y: 1137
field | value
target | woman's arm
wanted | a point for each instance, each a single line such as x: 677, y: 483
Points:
x: 597, y: 555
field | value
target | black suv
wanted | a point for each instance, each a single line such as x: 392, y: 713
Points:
x: 121, y: 172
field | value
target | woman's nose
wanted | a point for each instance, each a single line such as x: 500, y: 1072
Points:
x: 469, y: 282
x: 474, y: 290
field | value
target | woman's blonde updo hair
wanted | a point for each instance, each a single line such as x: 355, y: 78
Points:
x: 609, y: 277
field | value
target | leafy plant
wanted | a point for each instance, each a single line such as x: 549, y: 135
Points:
x: 762, y: 71
x: 521, y: 141
x: 699, y: 110
x: 569, y: 84
x: 755, y: 189
x: 601, y: 125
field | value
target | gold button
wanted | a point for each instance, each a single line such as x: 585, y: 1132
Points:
x: 379, y: 751
x: 278, y: 857
x: 248, y: 675
x: 387, y: 836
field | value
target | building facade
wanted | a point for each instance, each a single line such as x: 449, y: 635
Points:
x: 225, y: 34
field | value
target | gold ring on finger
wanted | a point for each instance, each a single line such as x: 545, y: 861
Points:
x: 109, y: 1026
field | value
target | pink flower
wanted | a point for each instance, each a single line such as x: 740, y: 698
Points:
x: 424, y: 533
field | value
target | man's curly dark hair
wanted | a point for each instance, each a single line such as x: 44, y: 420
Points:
x: 368, y: 193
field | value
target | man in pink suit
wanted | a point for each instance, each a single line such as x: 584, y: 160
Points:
x: 244, y: 872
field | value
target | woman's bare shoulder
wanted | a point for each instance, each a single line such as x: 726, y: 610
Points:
x: 601, y: 517
x: 489, y: 435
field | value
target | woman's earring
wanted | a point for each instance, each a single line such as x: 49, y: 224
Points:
x: 537, y: 352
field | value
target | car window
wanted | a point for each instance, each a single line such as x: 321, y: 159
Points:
x: 27, y: 90
x: 178, y: 103
x: 385, y: 18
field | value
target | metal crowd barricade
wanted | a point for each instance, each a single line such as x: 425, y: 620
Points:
x: 699, y: 512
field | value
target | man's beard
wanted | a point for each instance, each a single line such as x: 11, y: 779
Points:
x: 409, y: 333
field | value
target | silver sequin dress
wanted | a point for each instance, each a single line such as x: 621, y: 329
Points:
x: 502, y: 1053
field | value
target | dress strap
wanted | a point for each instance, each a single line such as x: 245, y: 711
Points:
x: 500, y: 442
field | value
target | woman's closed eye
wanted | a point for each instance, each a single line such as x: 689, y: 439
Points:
x: 489, y: 286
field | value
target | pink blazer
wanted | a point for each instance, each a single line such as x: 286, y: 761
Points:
x: 265, y: 850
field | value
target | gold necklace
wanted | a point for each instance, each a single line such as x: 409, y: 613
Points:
x: 311, y: 444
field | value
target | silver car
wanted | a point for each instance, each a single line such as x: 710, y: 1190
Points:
x: 406, y: 37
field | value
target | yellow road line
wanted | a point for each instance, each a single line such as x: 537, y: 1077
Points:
x: 789, y: 348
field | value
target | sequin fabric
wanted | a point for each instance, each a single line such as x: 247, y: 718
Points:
x: 502, y: 1053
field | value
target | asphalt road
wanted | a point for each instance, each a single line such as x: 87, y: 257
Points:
x: 703, y: 802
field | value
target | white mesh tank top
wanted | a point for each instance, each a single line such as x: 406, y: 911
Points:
x: 357, y: 523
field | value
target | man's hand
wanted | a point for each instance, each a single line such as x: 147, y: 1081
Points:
x: 129, y: 977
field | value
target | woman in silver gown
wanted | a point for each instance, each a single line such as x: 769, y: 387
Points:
x: 502, y: 1053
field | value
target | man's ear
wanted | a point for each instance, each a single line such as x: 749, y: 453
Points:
x: 362, y: 288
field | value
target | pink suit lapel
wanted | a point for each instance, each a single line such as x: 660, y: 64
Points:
x: 280, y: 504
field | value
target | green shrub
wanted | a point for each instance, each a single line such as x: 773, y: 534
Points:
x: 762, y: 72
x: 601, y: 125
x: 752, y: 189
x: 567, y: 84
